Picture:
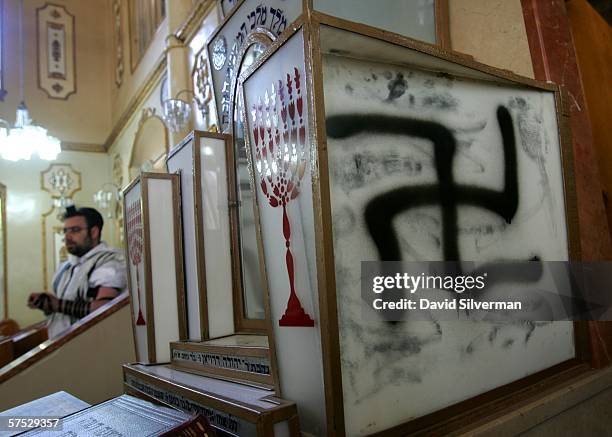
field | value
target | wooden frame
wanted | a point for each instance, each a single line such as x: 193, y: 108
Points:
x: 241, y: 321
x: 442, y: 24
x: 257, y: 379
x: 478, y: 407
x: 195, y: 136
x: 178, y: 260
x: 50, y: 346
x: 264, y: 36
x: 327, y: 314
x: 262, y: 419
x: 199, y: 230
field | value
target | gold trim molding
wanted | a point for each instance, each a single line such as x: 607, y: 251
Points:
x: 68, y: 146
x: 189, y: 28
x: 141, y: 95
x: 69, y: 171
x: 185, y: 33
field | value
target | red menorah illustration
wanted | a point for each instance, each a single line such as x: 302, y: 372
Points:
x: 280, y: 160
x: 135, y: 240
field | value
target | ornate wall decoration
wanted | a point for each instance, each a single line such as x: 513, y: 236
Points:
x: 202, y: 87
x: 118, y: 35
x: 118, y: 181
x: 56, y: 51
x: 61, y: 181
x: 224, y: 48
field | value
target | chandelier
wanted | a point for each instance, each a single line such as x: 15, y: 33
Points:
x: 108, y: 199
x: 25, y: 138
x: 177, y: 112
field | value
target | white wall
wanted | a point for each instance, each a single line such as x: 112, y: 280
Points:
x: 26, y: 203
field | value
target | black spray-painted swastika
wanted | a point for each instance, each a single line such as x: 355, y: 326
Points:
x: 446, y: 193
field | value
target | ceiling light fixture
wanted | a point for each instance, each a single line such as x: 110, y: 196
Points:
x: 177, y: 112
x: 25, y: 138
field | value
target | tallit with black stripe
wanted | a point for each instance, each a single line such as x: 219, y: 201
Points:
x: 71, y: 282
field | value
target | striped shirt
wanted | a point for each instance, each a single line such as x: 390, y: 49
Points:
x: 77, y: 281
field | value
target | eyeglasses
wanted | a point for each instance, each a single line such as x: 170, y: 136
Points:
x: 73, y: 230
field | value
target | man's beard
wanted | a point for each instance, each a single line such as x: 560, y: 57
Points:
x: 80, y: 250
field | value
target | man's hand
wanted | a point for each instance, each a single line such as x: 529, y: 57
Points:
x: 33, y: 300
x: 46, y: 302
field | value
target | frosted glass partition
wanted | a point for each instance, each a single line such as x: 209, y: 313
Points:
x: 252, y: 292
x: 275, y: 99
x: 372, y: 148
x: 200, y: 160
x: 412, y: 18
x: 381, y: 361
x: 155, y: 277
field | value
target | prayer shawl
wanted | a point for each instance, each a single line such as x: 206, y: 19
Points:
x: 78, y: 280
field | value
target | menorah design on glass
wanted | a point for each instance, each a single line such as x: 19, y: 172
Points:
x: 135, y: 240
x: 281, y: 160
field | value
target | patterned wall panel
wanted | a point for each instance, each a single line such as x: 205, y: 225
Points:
x: 56, y: 51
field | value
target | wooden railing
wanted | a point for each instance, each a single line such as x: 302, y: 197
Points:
x: 6, y: 351
x: 22, y: 341
x: 33, y: 345
x: 28, y: 338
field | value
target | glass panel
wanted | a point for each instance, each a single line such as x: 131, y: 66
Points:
x: 277, y: 95
x: 411, y: 18
x: 249, y: 258
x: 502, y: 140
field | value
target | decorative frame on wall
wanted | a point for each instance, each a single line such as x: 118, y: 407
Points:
x: 362, y: 43
x: 61, y: 181
x: 117, y: 178
x: 118, y: 42
x: 202, y: 88
x: 56, y: 48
